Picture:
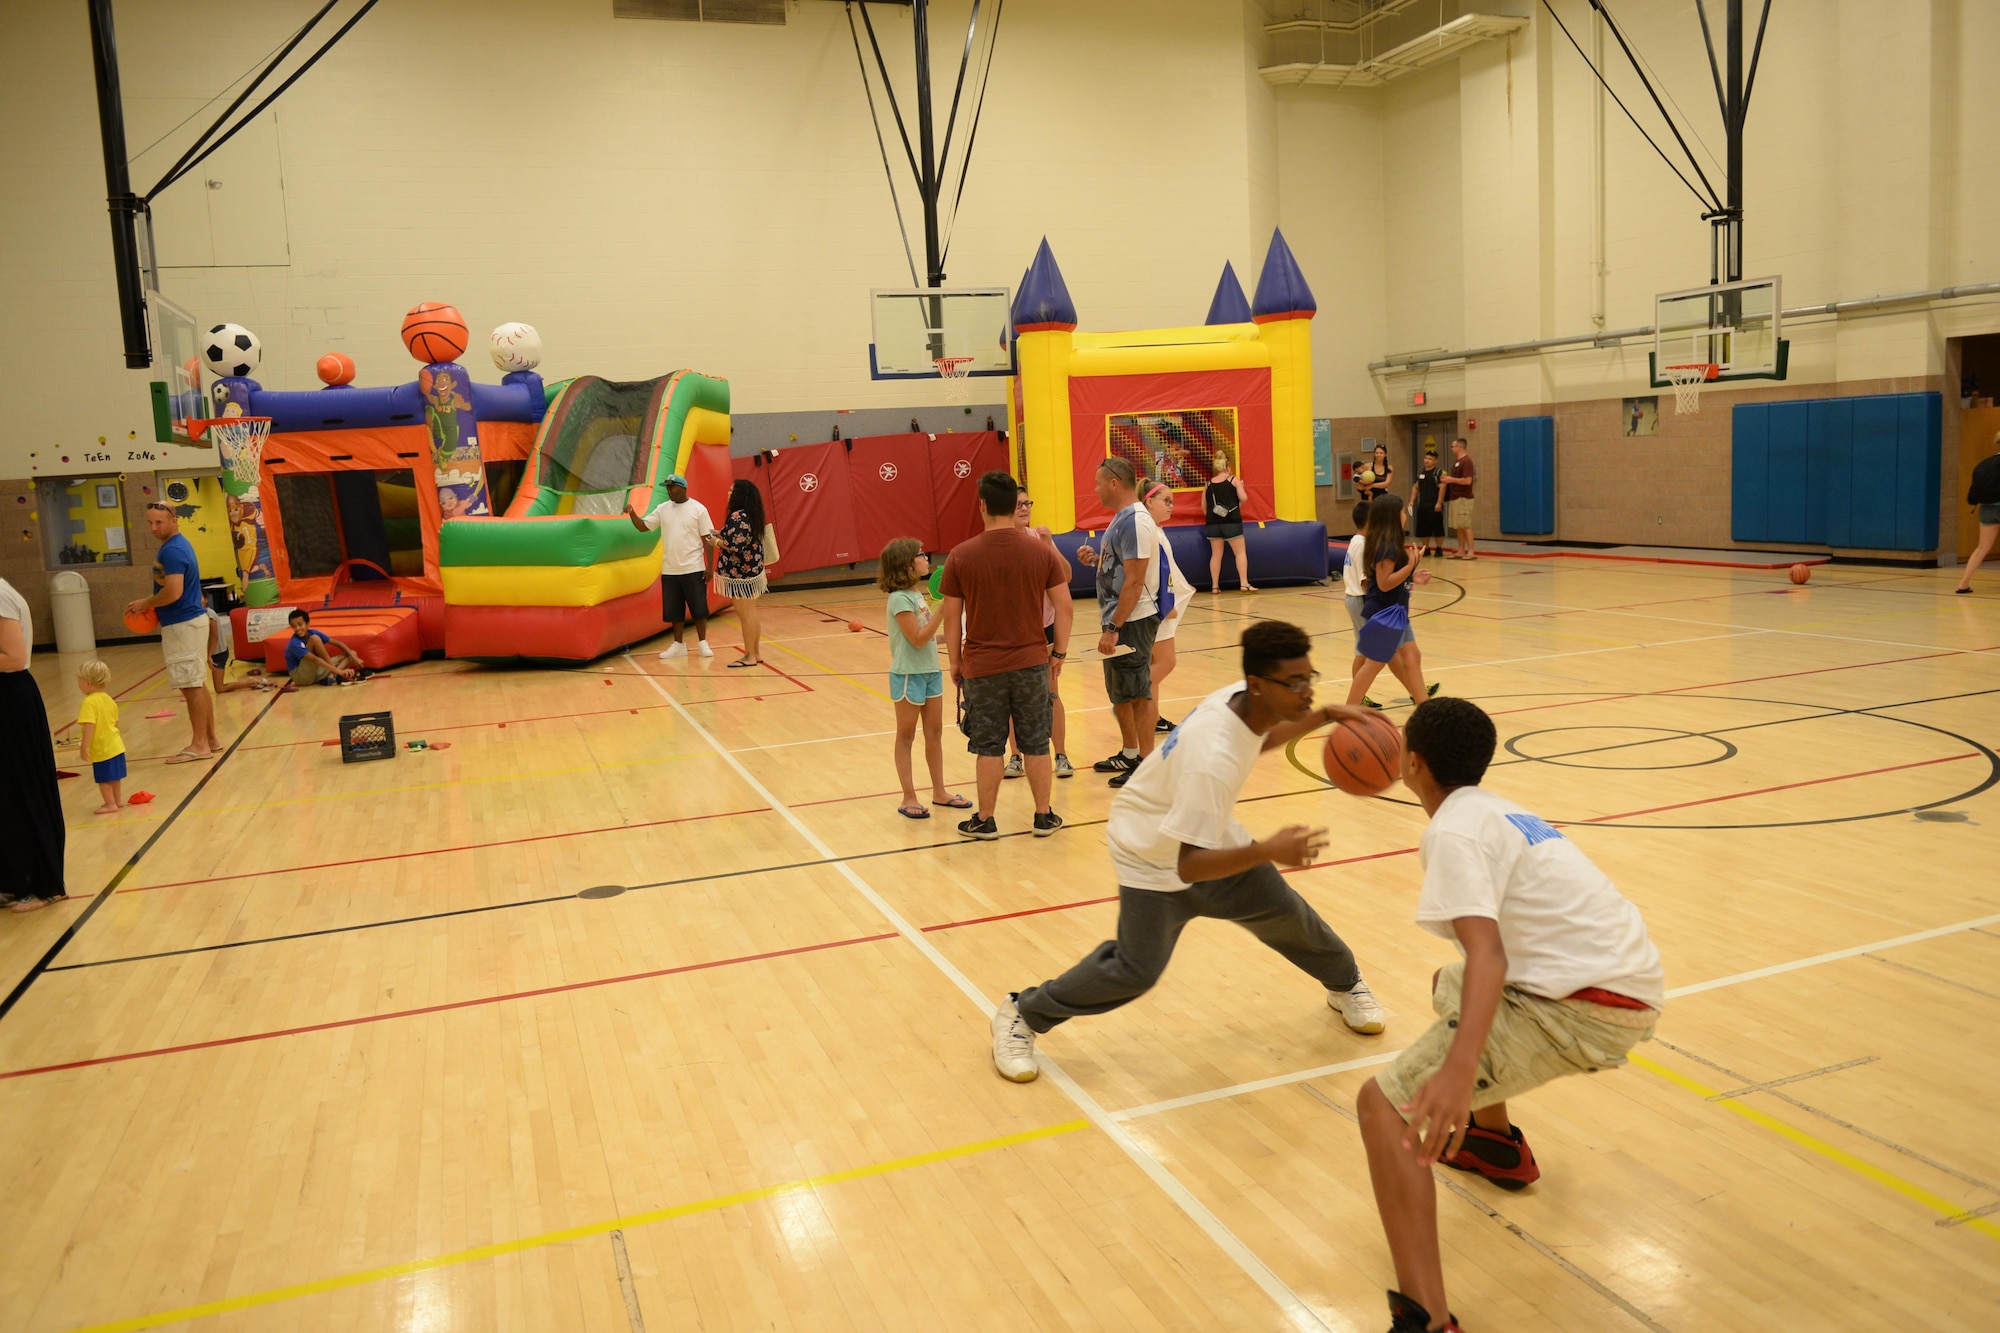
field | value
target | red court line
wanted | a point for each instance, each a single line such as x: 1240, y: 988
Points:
x: 1008, y: 916
x: 444, y: 1008
x: 439, y: 851
x: 1651, y: 559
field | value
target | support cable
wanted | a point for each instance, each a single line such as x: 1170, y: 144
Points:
x: 972, y: 134
x: 1705, y: 201
x: 888, y: 88
x: 1714, y: 71
x: 1647, y: 84
x: 875, y: 119
x: 964, y: 59
x: 186, y: 166
x: 261, y: 63
x: 1756, y: 53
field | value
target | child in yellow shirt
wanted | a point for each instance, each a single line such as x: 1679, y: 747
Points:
x: 102, y: 745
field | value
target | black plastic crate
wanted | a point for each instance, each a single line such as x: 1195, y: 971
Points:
x: 367, y: 736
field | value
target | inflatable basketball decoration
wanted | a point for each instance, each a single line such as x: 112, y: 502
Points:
x: 1363, y: 758
x: 434, y: 332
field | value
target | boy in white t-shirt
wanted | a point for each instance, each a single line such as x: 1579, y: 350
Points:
x: 1180, y: 853
x: 1559, y: 977
x: 687, y: 536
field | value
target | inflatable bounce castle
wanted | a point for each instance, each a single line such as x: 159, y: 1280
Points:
x: 1178, y: 404
x: 375, y: 508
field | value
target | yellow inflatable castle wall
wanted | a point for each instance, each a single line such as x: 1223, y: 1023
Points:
x: 1176, y: 402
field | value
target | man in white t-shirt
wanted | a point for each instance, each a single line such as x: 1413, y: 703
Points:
x: 687, y: 534
x: 1559, y: 977
x: 1180, y: 853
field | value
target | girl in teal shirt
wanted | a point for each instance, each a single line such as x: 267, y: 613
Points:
x: 915, y: 682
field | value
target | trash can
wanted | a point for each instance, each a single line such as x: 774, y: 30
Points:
x: 69, y: 602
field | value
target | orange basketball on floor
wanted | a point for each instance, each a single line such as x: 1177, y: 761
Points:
x: 144, y: 622
x: 853, y: 627
x: 434, y: 332
x: 1364, y: 758
x: 1800, y: 573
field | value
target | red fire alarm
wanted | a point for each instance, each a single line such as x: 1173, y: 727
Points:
x: 1418, y: 397
x: 1472, y: 423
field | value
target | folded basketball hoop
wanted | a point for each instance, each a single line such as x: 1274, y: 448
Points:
x: 1687, y: 381
x: 953, y: 370
x: 239, y: 441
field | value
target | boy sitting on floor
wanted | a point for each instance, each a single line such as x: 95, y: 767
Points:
x: 314, y: 659
x: 1559, y: 977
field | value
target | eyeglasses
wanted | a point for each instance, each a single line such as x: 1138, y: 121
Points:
x: 1298, y: 687
x: 1024, y: 504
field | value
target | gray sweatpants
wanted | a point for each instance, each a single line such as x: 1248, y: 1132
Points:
x: 1119, y: 971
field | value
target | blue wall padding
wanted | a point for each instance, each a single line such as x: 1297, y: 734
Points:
x: 1528, y: 475
x: 1857, y: 472
x: 1279, y: 552
x: 347, y: 407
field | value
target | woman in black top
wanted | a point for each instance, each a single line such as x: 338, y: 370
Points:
x: 739, y: 565
x: 1222, y: 521
x: 32, y: 831
x: 1426, y: 514
x: 1391, y: 572
x: 1385, y: 473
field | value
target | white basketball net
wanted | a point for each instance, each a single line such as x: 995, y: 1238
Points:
x: 1687, y: 381
x: 954, y: 371
x: 240, y: 443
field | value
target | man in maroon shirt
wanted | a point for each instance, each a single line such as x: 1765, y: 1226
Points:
x: 1455, y: 496
x: 993, y: 587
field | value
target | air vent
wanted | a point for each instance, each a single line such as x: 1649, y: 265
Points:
x: 702, y: 11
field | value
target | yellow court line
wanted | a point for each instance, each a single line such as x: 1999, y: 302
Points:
x: 369, y: 1275
x: 831, y: 672
x: 1839, y: 1156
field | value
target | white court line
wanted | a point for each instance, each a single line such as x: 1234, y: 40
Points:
x: 870, y: 735
x: 1735, y: 979
x: 1587, y: 652
x: 1300, y: 1315
x: 1768, y: 629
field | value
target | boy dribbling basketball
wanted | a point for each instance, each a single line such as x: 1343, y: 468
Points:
x: 1559, y: 977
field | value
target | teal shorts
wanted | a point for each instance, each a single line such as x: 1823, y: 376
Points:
x: 917, y: 686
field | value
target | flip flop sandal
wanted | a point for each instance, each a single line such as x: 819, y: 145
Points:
x: 955, y: 802
x: 734, y: 665
x: 913, y: 812
x: 189, y: 757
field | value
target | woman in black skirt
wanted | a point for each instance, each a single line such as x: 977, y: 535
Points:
x: 1222, y: 520
x: 1426, y: 508
x: 31, y: 817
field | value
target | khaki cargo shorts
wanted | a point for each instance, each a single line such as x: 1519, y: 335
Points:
x: 1533, y: 1041
x: 1458, y: 514
x: 185, y: 648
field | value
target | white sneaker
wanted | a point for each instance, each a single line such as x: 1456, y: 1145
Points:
x: 678, y: 650
x: 1013, y: 769
x: 1358, y: 1006
x: 1013, y: 1044
x: 706, y: 651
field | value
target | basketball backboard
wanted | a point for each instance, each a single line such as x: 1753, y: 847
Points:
x: 177, y: 395
x: 1733, y: 326
x: 914, y: 327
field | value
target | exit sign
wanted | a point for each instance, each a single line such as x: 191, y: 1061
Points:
x: 1418, y: 397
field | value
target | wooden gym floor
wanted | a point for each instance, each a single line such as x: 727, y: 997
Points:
x: 343, y: 1047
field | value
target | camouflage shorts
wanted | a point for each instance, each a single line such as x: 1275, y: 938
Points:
x: 1019, y: 698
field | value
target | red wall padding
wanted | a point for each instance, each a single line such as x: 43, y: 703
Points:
x: 812, y: 506
x: 957, y: 462
x: 1093, y: 398
x: 889, y: 478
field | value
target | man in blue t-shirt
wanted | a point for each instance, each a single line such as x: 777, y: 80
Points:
x: 312, y: 658
x: 183, y: 628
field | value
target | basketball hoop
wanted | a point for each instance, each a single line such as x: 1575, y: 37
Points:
x: 954, y: 370
x: 240, y: 443
x: 1687, y: 381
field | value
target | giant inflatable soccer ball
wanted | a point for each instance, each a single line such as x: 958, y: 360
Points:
x: 231, y: 349
x: 517, y: 346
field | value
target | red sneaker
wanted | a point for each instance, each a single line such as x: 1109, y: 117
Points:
x: 1504, y: 1159
x: 1410, y: 1317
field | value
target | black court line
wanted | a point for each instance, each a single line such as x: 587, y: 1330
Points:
x: 565, y: 897
x: 131, y: 863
